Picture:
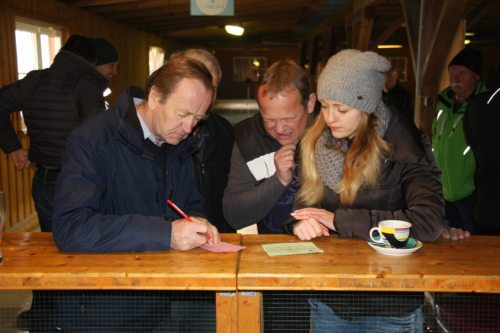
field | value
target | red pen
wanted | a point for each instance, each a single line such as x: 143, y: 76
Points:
x: 178, y: 210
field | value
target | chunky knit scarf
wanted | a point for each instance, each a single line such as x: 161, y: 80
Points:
x: 330, y: 152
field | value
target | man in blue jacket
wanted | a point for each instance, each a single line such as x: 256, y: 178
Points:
x: 119, y: 169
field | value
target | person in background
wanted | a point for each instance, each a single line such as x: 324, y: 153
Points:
x: 452, y: 152
x: 396, y: 96
x: 212, y: 161
x: 481, y: 125
x: 107, y: 62
x: 107, y: 58
x: 361, y: 163
x: 261, y: 185
x: 54, y: 101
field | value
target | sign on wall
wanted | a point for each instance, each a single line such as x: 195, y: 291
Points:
x: 212, y: 7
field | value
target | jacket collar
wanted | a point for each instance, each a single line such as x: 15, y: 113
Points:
x: 131, y: 133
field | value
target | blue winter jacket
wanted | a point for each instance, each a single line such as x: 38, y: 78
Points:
x: 112, y: 190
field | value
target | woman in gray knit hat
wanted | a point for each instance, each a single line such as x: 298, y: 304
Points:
x: 361, y: 163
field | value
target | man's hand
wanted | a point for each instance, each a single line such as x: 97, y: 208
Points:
x: 20, y: 159
x: 284, y: 162
x: 455, y: 234
x: 187, y: 235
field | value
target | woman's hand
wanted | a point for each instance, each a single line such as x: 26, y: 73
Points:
x: 322, y: 216
x: 309, y: 229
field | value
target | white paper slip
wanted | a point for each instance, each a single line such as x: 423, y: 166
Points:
x: 286, y: 249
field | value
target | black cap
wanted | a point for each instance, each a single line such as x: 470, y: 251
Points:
x: 82, y: 47
x: 470, y: 58
x: 106, y: 52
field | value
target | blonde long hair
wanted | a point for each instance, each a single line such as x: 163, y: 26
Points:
x: 362, y: 162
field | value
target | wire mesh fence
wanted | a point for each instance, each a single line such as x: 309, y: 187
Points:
x: 283, y: 311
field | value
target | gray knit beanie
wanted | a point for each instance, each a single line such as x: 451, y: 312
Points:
x: 354, y: 78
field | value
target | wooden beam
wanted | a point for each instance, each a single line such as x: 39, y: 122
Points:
x: 158, y: 4
x: 362, y: 28
x: 478, y: 12
x: 411, y: 14
x: 185, y: 10
x: 179, y: 23
x: 389, y: 31
x: 93, y: 3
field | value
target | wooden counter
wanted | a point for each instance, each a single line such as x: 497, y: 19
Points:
x: 471, y: 265
x: 32, y: 261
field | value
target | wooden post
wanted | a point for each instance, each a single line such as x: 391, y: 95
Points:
x: 226, y: 305
x: 250, y: 315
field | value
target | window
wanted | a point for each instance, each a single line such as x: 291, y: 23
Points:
x: 37, y: 44
x: 156, y: 58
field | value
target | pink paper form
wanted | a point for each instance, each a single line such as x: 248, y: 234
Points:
x: 222, y: 247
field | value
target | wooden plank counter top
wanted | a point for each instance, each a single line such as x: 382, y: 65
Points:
x: 32, y: 261
x: 471, y: 265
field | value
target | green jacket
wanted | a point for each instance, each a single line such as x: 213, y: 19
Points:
x: 453, y: 155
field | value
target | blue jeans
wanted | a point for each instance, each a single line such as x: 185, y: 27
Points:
x: 323, y: 320
x: 42, y: 190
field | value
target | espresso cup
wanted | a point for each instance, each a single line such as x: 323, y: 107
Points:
x: 391, y: 232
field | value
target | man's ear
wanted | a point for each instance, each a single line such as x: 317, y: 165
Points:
x: 154, y: 98
x: 311, y: 103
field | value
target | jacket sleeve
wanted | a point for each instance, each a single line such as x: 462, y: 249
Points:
x: 244, y: 202
x: 78, y: 225
x: 10, y: 101
x: 422, y: 193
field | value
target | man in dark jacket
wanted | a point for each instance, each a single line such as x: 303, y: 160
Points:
x: 53, y: 101
x: 481, y: 131
x: 119, y: 169
x: 396, y: 96
x: 261, y: 183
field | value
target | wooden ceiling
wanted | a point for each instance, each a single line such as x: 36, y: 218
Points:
x: 275, y: 22
x: 265, y: 21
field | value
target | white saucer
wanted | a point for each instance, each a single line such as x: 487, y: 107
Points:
x: 383, y: 249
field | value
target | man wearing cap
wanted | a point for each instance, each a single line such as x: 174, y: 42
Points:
x: 54, y: 101
x: 453, y: 154
x: 107, y: 58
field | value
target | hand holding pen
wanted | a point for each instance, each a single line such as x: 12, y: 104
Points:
x: 197, y: 232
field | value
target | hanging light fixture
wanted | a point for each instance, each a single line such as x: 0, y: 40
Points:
x: 235, y: 30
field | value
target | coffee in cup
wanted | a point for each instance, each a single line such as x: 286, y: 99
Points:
x: 391, y: 232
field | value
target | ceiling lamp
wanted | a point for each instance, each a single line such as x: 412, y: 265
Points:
x: 390, y: 46
x: 235, y: 30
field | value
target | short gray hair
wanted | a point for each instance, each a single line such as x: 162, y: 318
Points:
x: 203, y: 56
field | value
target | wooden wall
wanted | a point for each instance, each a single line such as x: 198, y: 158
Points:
x: 133, y: 47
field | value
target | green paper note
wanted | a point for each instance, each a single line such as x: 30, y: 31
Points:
x: 286, y: 249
